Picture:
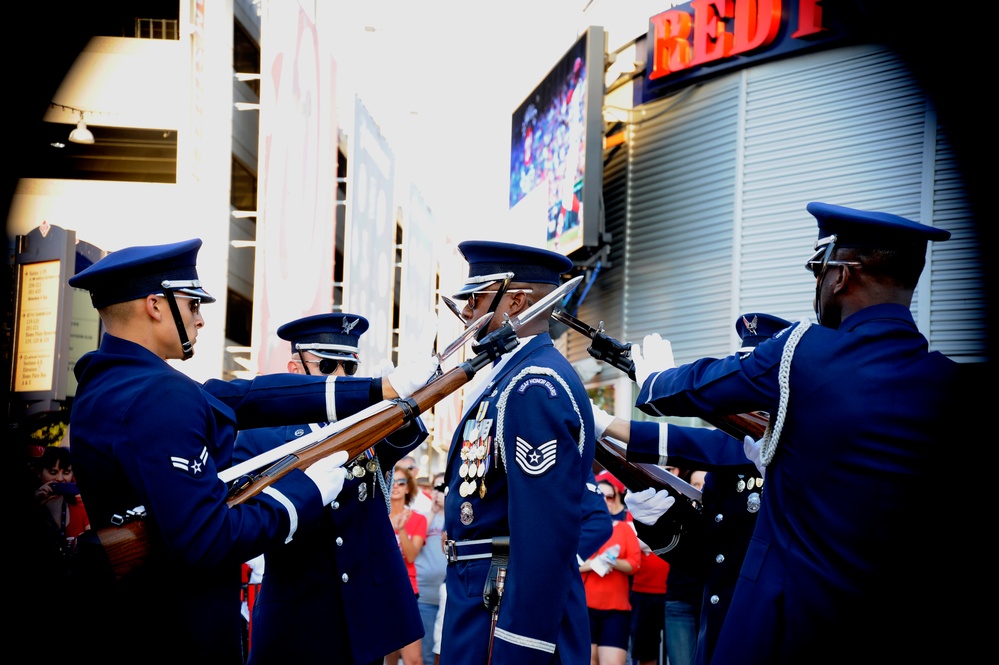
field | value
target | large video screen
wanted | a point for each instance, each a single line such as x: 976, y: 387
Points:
x: 556, y: 154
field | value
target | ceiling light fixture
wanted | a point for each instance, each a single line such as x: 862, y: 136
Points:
x: 81, y: 134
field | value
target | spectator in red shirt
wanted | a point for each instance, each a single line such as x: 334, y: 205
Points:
x: 607, y: 580
x: 648, y: 606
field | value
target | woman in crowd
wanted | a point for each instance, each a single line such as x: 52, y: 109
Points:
x: 411, y: 531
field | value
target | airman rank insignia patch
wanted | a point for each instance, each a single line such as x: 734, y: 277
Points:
x: 195, y: 467
x: 536, y: 461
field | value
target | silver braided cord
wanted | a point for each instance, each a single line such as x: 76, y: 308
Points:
x: 383, y: 484
x: 772, y: 434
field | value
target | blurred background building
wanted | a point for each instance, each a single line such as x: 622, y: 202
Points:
x: 245, y: 123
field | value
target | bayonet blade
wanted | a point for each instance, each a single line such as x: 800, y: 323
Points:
x: 603, y: 347
x: 546, y: 302
x: 563, y: 316
x: 453, y: 306
x: 460, y: 341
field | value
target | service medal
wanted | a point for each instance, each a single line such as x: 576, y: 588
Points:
x: 740, y: 486
x: 463, y: 470
x: 751, y: 484
x: 467, y: 514
x: 358, y: 471
x: 372, y: 465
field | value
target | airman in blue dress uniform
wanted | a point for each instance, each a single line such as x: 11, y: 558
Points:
x: 731, y: 496
x: 143, y: 433
x: 516, y: 469
x: 836, y: 567
x: 331, y: 587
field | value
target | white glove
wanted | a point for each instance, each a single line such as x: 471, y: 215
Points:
x: 752, y: 449
x: 648, y: 505
x: 655, y: 354
x: 411, y: 376
x: 328, y: 474
x: 427, y: 337
x: 601, y: 420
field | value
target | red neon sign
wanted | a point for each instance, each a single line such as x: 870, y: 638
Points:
x: 710, y: 31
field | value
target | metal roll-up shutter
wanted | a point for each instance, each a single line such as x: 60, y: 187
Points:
x: 844, y: 126
x: 679, y: 245
x: 958, y: 307
x: 852, y: 126
x: 603, y: 299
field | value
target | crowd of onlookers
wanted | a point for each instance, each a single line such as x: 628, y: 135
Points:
x: 643, y: 609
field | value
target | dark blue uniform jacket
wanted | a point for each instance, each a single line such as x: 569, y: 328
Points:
x: 326, y: 594
x: 840, y: 537
x: 538, y: 423
x: 144, y: 433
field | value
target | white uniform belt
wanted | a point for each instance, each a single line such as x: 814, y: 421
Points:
x: 465, y: 550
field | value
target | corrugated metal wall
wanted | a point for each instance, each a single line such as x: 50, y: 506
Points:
x: 603, y: 302
x: 719, y: 176
x: 959, y: 303
x: 681, y: 195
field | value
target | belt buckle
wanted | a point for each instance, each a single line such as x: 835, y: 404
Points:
x: 451, y: 551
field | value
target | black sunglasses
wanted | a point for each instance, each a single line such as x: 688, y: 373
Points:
x: 815, y: 266
x: 329, y: 365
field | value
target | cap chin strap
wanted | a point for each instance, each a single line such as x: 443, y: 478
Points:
x: 830, y: 246
x: 500, y: 291
x: 305, y: 365
x: 185, y: 343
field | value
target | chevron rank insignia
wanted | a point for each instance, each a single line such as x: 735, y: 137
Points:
x: 194, y: 467
x: 536, y: 460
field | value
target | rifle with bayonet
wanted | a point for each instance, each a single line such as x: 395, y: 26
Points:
x: 124, y: 547
x: 618, y: 354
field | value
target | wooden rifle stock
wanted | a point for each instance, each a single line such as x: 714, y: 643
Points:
x: 741, y: 425
x: 618, y: 354
x: 112, y: 552
x: 126, y: 546
x: 638, y: 476
x: 360, y: 436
